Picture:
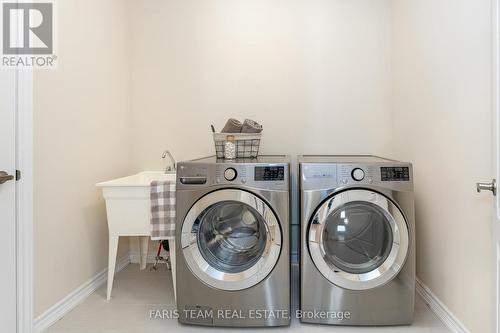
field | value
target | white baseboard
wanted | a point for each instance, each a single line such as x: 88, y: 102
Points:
x: 441, y: 310
x: 58, y: 310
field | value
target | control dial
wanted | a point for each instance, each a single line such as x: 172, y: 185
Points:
x: 230, y: 174
x: 358, y: 174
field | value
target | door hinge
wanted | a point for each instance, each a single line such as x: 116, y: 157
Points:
x: 18, y: 175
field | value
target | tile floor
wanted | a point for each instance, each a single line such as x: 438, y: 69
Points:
x: 136, y: 293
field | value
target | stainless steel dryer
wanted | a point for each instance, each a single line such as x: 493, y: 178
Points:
x: 232, y: 236
x: 357, y: 241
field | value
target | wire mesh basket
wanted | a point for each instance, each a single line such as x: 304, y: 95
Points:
x: 247, y: 144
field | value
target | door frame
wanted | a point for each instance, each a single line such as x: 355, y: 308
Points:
x: 495, y: 62
x: 495, y: 99
x: 23, y: 83
x: 24, y: 199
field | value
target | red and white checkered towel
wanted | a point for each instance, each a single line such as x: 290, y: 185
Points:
x: 162, y: 210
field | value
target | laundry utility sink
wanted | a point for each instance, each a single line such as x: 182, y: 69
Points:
x: 141, y: 179
x: 128, y: 208
x: 128, y: 202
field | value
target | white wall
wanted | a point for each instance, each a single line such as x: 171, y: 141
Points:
x: 81, y: 122
x: 315, y: 73
x: 443, y: 125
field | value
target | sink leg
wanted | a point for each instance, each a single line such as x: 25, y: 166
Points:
x: 113, y: 250
x: 171, y: 245
x: 144, y: 244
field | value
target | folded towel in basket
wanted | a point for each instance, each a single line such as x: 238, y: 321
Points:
x: 250, y: 126
x: 232, y: 126
x: 162, y: 210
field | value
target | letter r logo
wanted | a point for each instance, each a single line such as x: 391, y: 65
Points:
x: 27, y: 28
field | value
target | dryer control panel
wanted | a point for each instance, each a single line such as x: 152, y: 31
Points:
x: 316, y: 176
x: 395, y: 174
x: 356, y: 174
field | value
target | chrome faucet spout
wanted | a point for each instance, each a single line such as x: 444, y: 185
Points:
x: 172, y: 166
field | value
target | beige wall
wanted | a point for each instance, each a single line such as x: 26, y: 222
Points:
x: 443, y: 125
x: 315, y: 73
x: 81, y: 121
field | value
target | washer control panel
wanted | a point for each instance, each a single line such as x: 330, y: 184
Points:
x: 230, y: 174
x: 269, y: 173
x: 265, y: 176
x: 358, y: 174
x: 252, y: 175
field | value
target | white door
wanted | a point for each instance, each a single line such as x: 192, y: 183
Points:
x: 8, y: 306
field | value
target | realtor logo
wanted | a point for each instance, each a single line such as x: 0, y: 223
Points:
x: 28, y: 34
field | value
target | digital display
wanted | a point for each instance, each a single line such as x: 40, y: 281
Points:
x: 395, y: 174
x: 269, y: 173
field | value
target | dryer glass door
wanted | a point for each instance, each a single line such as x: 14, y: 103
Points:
x: 231, y: 239
x: 358, y: 239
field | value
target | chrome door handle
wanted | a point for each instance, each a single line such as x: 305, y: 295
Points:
x: 487, y: 187
x: 5, y: 177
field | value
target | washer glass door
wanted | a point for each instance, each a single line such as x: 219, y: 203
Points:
x: 231, y: 239
x: 231, y: 236
x: 358, y: 239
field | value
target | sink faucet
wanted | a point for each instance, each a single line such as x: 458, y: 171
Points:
x: 170, y: 168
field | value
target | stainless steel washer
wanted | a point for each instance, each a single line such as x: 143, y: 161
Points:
x: 357, y: 241
x: 232, y: 235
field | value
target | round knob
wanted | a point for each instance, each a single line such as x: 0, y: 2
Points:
x: 358, y: 174
x: 230, y: 174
